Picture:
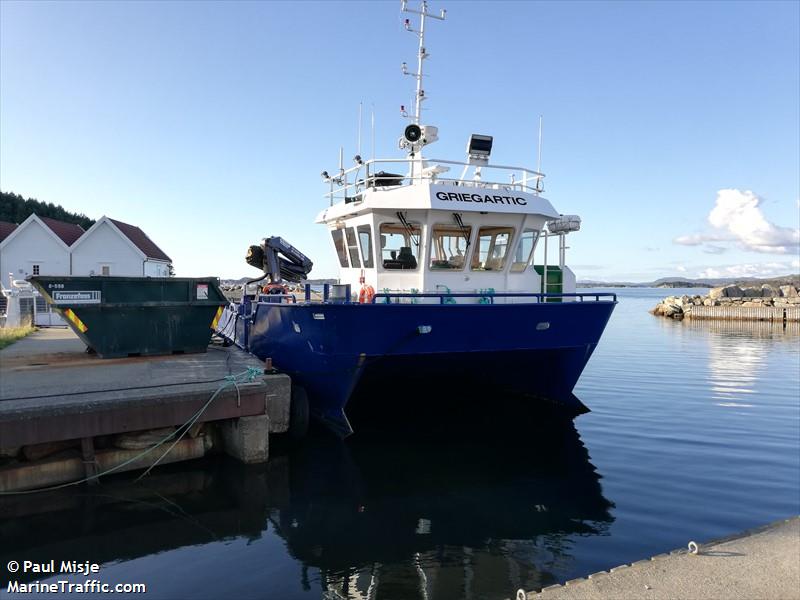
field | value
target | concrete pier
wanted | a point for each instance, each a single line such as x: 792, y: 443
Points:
x: 63, y: 412
x: 762, y: 563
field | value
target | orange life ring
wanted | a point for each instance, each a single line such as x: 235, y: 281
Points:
x: 274, y: 288
x: 366, y: 294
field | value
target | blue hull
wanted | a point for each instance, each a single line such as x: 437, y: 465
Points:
x: 333, y: 350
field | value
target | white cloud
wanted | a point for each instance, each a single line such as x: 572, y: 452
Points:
x: 681, y: 269
x: 710, y: 273
x: 698, y: 239
x: 736, y: 217
x: 770, y: 269
x: 738, y: 213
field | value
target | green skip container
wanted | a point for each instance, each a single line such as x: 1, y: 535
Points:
x: 136, y: 316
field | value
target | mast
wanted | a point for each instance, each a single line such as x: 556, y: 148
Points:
x: 421, y: 53
x: 420, y: 59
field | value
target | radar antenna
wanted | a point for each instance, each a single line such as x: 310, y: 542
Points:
x: 422, y: 53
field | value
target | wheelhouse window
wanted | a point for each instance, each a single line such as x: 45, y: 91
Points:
x: 106, y: 270
x: 35, y: 269
x: 338, y: 242
x: 365, y: 240
x: 449, y: 244
x: 352, y: 248
x: 492, y: 248
x: 400, y: 245
x: 524, y: 252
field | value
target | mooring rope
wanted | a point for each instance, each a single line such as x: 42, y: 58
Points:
x: 246, y: 376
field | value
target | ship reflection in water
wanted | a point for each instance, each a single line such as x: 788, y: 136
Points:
x: 381, y: 515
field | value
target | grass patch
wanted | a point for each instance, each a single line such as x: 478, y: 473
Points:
x: 9, y: 335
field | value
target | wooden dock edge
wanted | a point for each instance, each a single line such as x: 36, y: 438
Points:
x: 58, y: 440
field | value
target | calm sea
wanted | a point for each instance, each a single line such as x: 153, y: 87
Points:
x: 694, y: 434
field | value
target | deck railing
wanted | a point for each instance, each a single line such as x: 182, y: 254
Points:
x: 344, y: 296
x: 489, y: 298
x: 346, y: 185
x: 247, y: 311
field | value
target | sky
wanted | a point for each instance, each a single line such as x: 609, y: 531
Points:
x: 671, y: 128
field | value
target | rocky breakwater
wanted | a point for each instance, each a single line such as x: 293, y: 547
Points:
x: 732, y: 296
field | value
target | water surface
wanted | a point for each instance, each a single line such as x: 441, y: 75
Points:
x: 693, y: 434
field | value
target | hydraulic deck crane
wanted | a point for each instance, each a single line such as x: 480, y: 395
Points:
x: 279, y: 260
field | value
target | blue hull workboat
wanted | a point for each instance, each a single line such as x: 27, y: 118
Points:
x: 439, y: 280
x: 538, y: 350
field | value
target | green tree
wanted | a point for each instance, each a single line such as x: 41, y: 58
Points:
x: 15, y: 209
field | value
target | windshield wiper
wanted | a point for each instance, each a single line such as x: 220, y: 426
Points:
x: 463, y: 228
x: 409, y: 229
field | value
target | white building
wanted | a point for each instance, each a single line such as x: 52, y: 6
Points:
x: 44, y: 246
x: 111, y: 247
x: 37, y: 246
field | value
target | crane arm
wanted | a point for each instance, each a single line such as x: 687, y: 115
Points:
x: 279, y: 260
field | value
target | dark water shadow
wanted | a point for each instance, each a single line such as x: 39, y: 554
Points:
x: 431, y: 513
x: 434, y: 513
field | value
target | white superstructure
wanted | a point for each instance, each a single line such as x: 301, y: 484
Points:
x: 431, y: 225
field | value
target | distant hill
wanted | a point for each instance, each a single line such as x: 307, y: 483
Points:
x: 597, y: 284
x: 15, y: 209
x: 676, y: 282
x: 679, y: 282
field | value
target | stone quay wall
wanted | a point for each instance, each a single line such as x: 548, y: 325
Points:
x: 763, y: 303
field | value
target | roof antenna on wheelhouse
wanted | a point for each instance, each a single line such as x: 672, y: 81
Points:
x: 417, y: 135
x: 422, y: 53
x: 539, y: 157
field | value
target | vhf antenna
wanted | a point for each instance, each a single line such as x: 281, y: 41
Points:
x: 539, y: 158
x: 422, y: 54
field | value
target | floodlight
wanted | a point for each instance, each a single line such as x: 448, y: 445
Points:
x: 479, y: 146
x: 413, y: 133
